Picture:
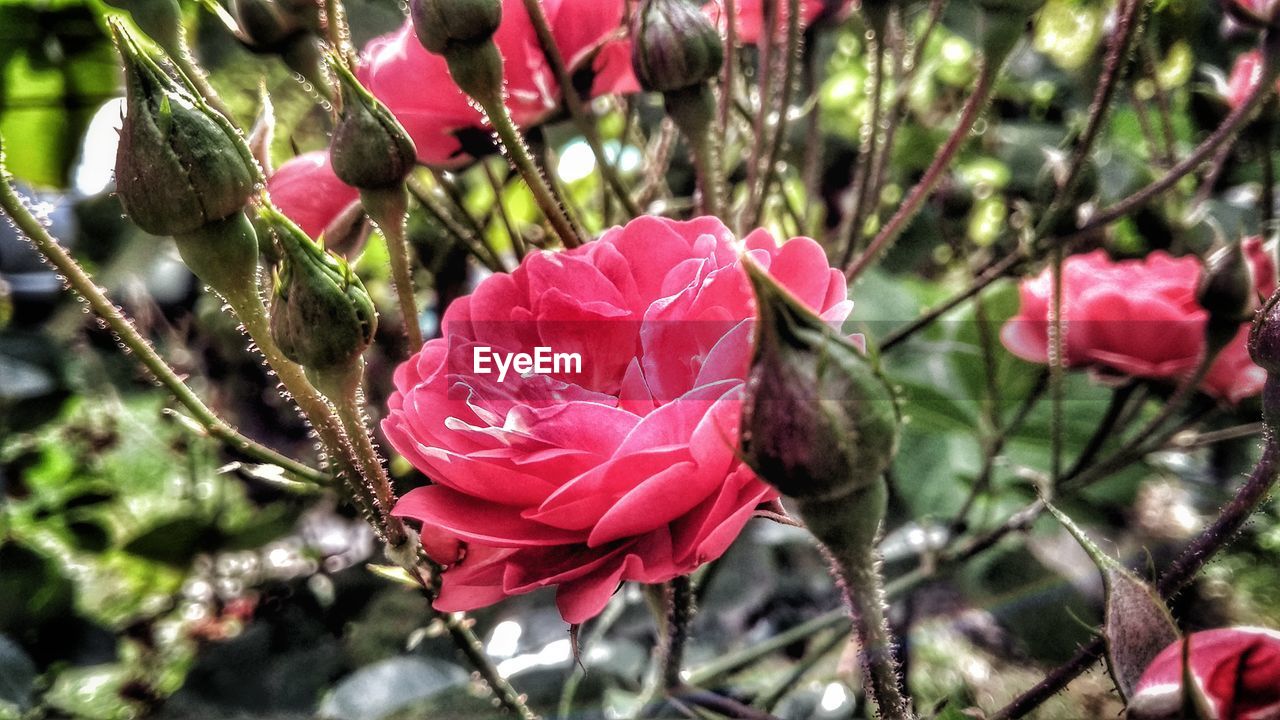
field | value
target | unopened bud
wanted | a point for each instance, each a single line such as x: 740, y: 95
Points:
x: 178, y: 165
x: 321, y: 315
x: 370, y: 149
x: 674, y: 46
x: 819, y: 422
x: 441, y: 25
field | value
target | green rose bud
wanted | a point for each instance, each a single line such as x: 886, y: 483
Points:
x: 674, y: 46
x: 179, y: 165
x: 819, y: 422
x: 442, y: 25
x: 321, y: 315
x: 370, y: 149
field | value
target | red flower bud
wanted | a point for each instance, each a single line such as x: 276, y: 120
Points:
x: 1236, y: 673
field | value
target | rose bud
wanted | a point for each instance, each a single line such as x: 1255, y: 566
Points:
x: 370, y: 150
x: 179, y: 165
x: 819, y: 422
x: 462, y: 33
x: 1234, y: 675
x: 321, y: 315
x: 443, y: 24
x: 674, y: 46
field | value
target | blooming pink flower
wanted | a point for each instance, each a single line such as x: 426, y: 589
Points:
x: 626, y: 470
x: 417, y: 87
x: 309, y: 193
x: 1236, y: 669
x: 1139, y: 318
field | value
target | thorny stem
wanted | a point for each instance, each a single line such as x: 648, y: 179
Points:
x: 851, y: 224
x: 342, y: 387
x: 863, y: 589
x: 518, y: 154
x: 1128, y: 28
x: 251, y: 311
x: 1183, y: 570
x: 728, y: 80
x: 470, y: 241
x: 517, y: 240
x: 80, y: 282
x: 915, y: 199
x: 576, y: 108
x: 778, y: 132
x: 1226, y: 132
x: 459, y: 627
x: 387, y: 209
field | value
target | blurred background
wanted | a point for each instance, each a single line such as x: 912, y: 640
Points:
x: 143, y: 573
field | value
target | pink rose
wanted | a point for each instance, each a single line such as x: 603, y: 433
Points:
x: 1236, y: 669
x: 418, y: 89
x: 625, y: 469
x: 310, y: 194
x: 750, y: 20
x: 1138, y: 318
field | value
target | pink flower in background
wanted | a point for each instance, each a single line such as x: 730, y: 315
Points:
x: 309, y: 193
x: 626, y: 470
x: 1237, y: 670
x: 1245, y: 75
x: 1139, y: 318
x: 418, y: 89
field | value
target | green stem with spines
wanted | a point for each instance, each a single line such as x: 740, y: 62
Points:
x: 387, y: 210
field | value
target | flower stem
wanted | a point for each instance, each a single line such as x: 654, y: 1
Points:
x: 864, y: 591
x: 692, y: 109
x: 576, y: 108
x: 680, y: 609
x: 1183, y: 570
x: 469, y: 240
x: 1226, y: 132
x: 80, y: 282
x: 342, y: 387
x: 777, y: 134
x: 464, y: 638
x: 248, y: 307
x: 387, y: 209
x: 915, y: 199
x: 518, y: 153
